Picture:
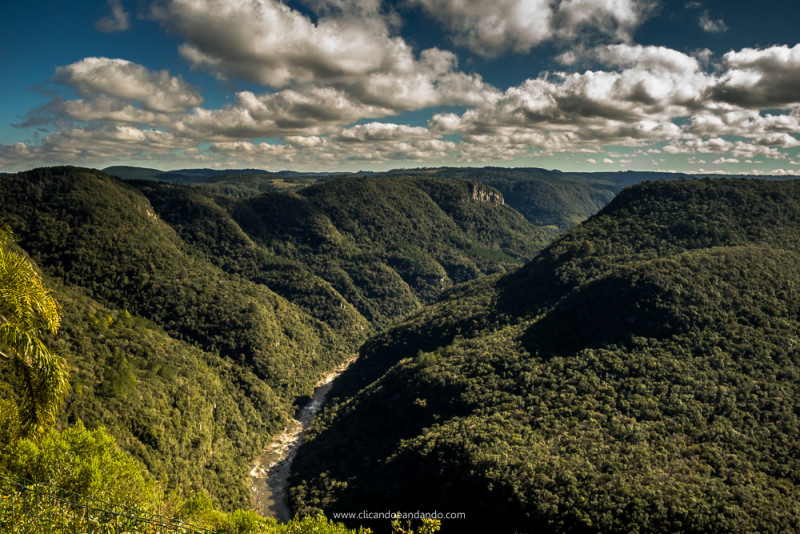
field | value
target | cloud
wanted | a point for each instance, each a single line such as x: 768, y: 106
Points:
x: 693, y: 146
x: 712, y: 25
x: 775, y: 172
x: 749, y: 150
x: 254, y: 152
x: 106, y: 141
x: 372, y: 142
x: 348, y: 48
x: 117, y: 21
x: 718, y: 145
x: 776, y: 127
x: 491, y: 28
x: 379, y: 131
x: 306, y: 111
x: 98, y: 77
x: 270, y: 43
x: 93, y: 145
x: 118, y: 91
x: 16, y: 153
x: 637, y: 96
x: 614, y: 18
x: 766, y: 78
x: 634, y: 104
x: 378, y: 141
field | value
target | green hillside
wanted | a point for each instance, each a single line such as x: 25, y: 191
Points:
x: 381, y: 246
x: 193, y: 418
x: 545, y: 198
x: 641, y: 374
x: 205, y: 339
x: 89, y: 230
x: 237, y: 183
x: 206, y: 228
x: 195, y: 322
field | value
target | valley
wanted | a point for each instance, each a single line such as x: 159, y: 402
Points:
x: 574, y: 352
x: 270, y: 475
x: 640, y: 374
x: 195, y: 322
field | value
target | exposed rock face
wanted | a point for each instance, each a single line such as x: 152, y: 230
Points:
x: 481, y: 193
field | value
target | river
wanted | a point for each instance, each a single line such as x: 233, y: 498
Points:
x: 269, y: 488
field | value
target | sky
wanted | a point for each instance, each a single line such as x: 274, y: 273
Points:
x: 708, y: 86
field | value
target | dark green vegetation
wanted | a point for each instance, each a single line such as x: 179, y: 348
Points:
x: 194, y: 389
x: 237, y: 183
x: 641, y: 374
x: 385, y: 245
x: 193, y: 322
x: 545, y: 198
x: 84, y: 482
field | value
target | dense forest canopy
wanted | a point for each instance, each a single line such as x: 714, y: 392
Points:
x: 642, y: 374
x: 194, y: 321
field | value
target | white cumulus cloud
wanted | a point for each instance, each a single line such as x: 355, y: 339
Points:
x: 760, y: 78
x: 349, y: 47
x: 491, y: 28
x: 712, y: 25
x: 95, y: 77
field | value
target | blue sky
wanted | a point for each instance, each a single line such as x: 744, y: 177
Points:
x: 581, y: 85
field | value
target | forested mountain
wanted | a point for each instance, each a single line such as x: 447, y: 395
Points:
x: 212, y: 370
x: 545, y: 198
x: 194, y: 321
x: 234, y: 182
x: 641, y: 374
x: 385, y: 245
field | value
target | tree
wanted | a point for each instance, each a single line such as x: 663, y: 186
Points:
x: 27, y: 311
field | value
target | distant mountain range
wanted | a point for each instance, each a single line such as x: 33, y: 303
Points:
x: 544, y: 197
x: 200, y: 175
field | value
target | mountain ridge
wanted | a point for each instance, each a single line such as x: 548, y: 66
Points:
x: 640, y: 374
x: 166, y: 290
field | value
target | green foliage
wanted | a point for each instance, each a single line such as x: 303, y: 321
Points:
x: 206, y: 366
x: 248, y: 522
x: 203, y: 223
x: 386, y: 245
x: 195, y: 419
x: 193, y: 320
x: 638, y: 376
x: 428, y: 526
x: 78, y: 470
x: 544, y: 198
x: 28, y: 311
x: 317, y: 523
x: 81, y: 461
x: 88, y: 463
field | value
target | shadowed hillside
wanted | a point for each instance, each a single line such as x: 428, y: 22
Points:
x: 145, y: 315
x: 385, y: 246
x: 195, y: 322
x: 641, y: 374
